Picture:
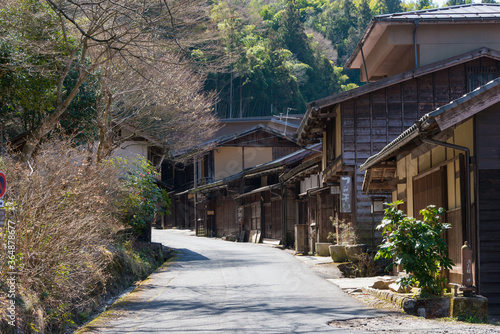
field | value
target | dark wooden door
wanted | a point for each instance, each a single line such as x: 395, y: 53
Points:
x: 428, y: 188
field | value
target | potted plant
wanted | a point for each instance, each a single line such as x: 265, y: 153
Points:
x: 337, y: 250
x: 347, y: 247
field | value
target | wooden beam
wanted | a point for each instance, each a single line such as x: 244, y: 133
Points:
x: 322, y: 116
x: 380, y: 187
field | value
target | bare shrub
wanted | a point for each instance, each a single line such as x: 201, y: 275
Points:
x: 64, y: 214
x: 366, y: 266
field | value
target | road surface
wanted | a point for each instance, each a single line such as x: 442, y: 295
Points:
x: 216, y: 286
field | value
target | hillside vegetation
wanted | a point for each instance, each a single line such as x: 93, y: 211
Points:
x: 282, y: 54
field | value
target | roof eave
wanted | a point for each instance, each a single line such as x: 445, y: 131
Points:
x: 356, y: 51
x: 393, y: 80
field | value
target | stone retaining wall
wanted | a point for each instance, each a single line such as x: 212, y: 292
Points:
x: 449, y: 306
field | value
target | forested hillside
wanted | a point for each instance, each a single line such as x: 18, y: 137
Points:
x: 246, y: 58
x: 282, y: 54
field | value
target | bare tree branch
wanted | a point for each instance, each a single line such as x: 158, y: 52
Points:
x: 132, y: 45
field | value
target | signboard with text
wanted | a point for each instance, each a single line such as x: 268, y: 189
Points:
x: 345, y: 194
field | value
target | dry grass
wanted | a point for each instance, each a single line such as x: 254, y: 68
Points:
x: 64, y: 210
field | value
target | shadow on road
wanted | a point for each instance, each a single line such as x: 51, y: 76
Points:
x: 234, y: 309
x: 188, y: 255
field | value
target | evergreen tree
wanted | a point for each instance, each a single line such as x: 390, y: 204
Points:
x: 392, y: 6
x: 364, y: 15
x: 292, y: 32
x: 457, y: 2
x: 283, y: 88
x: 277, y: 65
x: 424, y: 4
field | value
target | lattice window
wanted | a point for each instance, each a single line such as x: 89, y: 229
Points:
x: 478, y: 76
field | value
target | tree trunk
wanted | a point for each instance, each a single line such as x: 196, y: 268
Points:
x: 105, y: 134
x: 49, y: 122
x: 231, y: 97
x: 241, y: 96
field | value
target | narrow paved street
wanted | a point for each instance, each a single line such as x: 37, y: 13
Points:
x: 216, y: 286
x: 226, y: 287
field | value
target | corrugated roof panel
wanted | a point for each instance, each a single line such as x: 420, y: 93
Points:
x: 478, y: 11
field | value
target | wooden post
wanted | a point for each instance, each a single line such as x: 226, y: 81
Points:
x: 337, y: 227
x: 195, y: 176
x: 467, y: 277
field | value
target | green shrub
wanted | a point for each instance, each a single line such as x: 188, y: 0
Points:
x: 144, y: 200
x: 417, y: 245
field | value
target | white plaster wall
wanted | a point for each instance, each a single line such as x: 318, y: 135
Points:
x: 131, y: 149
x: 257, y: 155
x: 231, y: 160
x: 440, y: 42
x: 227, y: 161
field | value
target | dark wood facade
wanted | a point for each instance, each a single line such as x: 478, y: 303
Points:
x: 226, y: 215
x: 436, y: 168
x: 215, y: 206
x: 371, y: 120
x: 487, y: 134
x: 489, y: 236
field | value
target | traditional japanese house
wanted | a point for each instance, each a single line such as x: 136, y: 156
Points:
x: 312, y: 201
x: 254, y: 205
x: 415, y: 62
x: 451, y: 158
x: 214, y: 168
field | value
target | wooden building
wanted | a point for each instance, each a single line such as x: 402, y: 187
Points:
x: 314, y: 203
x: 405, y: 84
x: 451, y: 158
x: 205, y: 185
x: 254, y: 204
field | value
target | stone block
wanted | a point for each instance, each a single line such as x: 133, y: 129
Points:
x: 382, y: 284
x: 322, y: 248
x: 430, y: 308
x: 353, y: 252
x: 462, y: 307
x: 337, y: 252
x: 421, y: 312
x: 408, y: 304
x: 397, y: 288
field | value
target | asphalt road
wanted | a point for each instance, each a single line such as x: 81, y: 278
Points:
x: 217, y: 286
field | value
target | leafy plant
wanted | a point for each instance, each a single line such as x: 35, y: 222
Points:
x: 417, y: 245
x: 471, y: 319
x: 144, y: 200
